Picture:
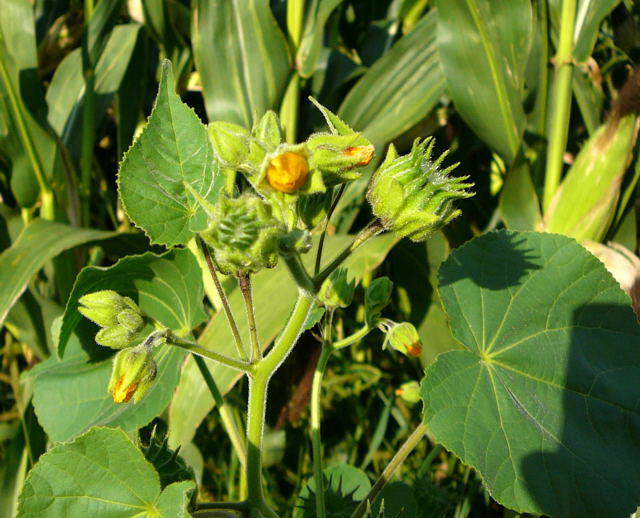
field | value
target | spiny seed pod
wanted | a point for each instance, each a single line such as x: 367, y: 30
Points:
x: 412, y: 196
x: 404, y: 338
x: 376, y: 297
x: 336, y: 291
x: 119, y: 317
x: 244, y: 235
x: 134, y: 371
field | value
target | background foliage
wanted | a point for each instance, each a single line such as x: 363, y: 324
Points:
x: 547, y: 150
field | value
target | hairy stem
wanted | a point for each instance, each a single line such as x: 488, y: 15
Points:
x: 258, y: 385
x: 225, y: 412
x: 198, y: 350
x: 244, y: 281
x: 559, y: 128
x: 371, y: 230
x: 225, y: 303
x: 397, y: 460
x: 351, y: 339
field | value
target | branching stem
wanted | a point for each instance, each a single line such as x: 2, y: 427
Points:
x: 225, y: 302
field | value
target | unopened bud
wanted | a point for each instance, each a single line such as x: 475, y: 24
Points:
x: 339, y: 156
x: 404, y: 338
x: 336, y: 291
x: 376, y: 297
x: 134, y: 371
x: 287, y: 172
x: 409, y: 392
x: 267, y: 130
x: 102, y: 307
x: 236, y: 147
x: 119, y: 317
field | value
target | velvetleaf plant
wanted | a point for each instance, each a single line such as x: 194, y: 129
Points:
x: 236, y: 201
x: 239, y: 194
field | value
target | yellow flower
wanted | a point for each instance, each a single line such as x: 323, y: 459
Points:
x: 287, y: 172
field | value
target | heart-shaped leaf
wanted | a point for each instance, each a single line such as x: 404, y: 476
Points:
x: 544, y: 400
x: 101, y: 473
x: 172, y: 150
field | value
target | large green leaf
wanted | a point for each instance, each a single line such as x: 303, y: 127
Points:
x: 484, y: 47
x: 39, y: 242
x: 543, y: 401
x: 400, y: 89
x: 100, y: 474
x: 311, y: 43
x: 65, y: 95
x: 70, y: 394
x: 242, y: 58
x: 24, y: 143
x: 274, y: 294
x: 173, y: 150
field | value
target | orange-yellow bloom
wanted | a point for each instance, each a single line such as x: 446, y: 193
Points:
x: 287, y: 172
x: 364, y: 153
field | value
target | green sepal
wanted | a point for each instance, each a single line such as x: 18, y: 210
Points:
x: 376, y: 298
x: 131, y: 320
x: 336, y: 125
x: 268, y: 131
x: 116, y: 337
x: 404, y: 338
x: 336, y: 291
x: 313, y: 209
x: 338, y: 156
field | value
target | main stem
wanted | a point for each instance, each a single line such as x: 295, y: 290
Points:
x: 559, y: 128
x: 258, y: 386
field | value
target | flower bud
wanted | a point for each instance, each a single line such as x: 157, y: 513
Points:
x: 236, y: 147
x: 404, y: 338
x: 134, y: 371
x: 336, y: 291
x: 409, y: 392
x: 244, y: 235
x: 338, y: 156
x: 412, y: 196
x: 102, y: 307
x: 119, y: 317
x: 377, y: 296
